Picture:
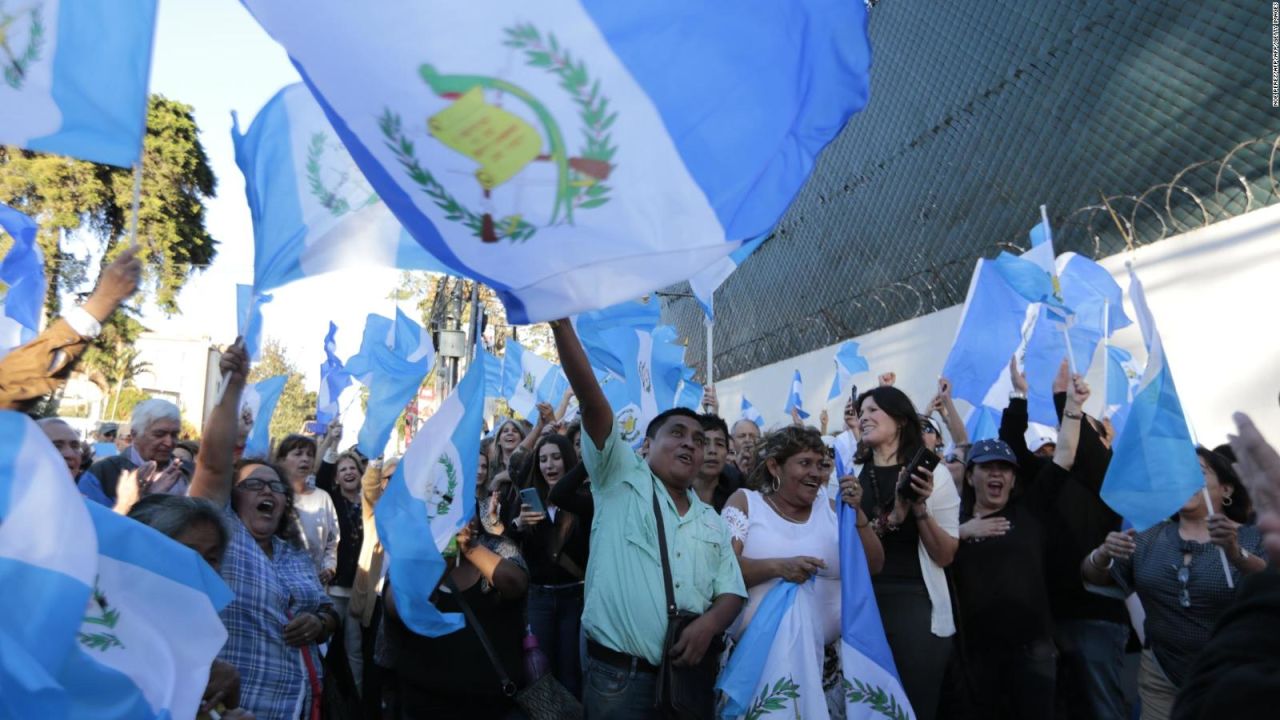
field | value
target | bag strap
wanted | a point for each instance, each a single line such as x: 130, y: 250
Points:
x: 672, y: 610
x: 508, y: 687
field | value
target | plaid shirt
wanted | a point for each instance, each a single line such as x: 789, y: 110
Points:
x: 268, y: 590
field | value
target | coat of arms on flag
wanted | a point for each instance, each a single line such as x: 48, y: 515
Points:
x: 21, y: 41
x: 506, y: 142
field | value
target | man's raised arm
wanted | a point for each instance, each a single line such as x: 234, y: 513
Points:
x: 597, y: 416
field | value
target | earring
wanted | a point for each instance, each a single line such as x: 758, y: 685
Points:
x: 777, y: 483
x: 1226, y: 501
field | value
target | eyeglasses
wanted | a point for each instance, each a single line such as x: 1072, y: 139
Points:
x: 256, y: 484
x: 1184, y: 576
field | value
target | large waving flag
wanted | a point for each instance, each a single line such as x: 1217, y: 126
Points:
x: 795, y: 397
x: 1123, y: 375
x: 394, y: 359
x: 313, y: 211
x: 48, y: 560
x: 75, y: 77
x: 493, y: 375
x: 429, y: 499
x: 151, y: 630
x: 22, y: 272
x: 257, y: 405
x: 872, y: 687
x: 249, y: 304
x: 707, y: 281
x: 848, y: 364
x: 1154, y: 469
x: 586, y: 153
x: 766, y: 670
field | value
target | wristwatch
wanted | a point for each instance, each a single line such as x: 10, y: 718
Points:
x: 1244, y: 555
x: 1015, y: 395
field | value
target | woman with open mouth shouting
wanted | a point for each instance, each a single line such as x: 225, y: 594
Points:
x: 1009, y: 658
x: 280, y: 613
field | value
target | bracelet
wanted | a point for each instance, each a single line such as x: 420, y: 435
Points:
x: 1016, y: 395
x: 919, y: 516
x: 1072, y: 415
x: 1093, y: 560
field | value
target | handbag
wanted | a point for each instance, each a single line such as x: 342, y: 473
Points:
x: 544, y: 698
x: 682, y: 693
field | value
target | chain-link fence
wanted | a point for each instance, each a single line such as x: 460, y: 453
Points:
x: 1131, y: 120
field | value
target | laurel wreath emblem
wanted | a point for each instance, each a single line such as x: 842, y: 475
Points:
x: 15, y: 71
x: 587, y: 170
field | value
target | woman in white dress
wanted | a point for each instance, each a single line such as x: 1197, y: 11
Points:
x: 786, y: 530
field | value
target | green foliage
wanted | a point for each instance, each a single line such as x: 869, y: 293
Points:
x: 67, y: 195
x: 296, y: 404
x: 773, y: 699
x: 120, y: 408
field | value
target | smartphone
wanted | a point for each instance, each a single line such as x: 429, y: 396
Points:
x: 924, y: 457
x: 529, y: 496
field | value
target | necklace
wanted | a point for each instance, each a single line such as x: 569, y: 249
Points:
x: 881, y: 508
x: 780, y: 511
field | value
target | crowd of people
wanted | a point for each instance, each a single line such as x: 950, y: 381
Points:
x: 1006, y: 587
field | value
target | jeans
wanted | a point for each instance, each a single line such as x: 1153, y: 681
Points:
x: 555, y: 614
x: 613, y: 693
x: 1091, y: 655
x: 1015, y: 682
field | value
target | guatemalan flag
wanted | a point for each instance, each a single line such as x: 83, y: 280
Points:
x: 151, y: 630
x: 872, y: 686
x: 749, y: 412
x: 249, y: 304
x: 48, y: 561
x: 1123, y: 375
x: 22, y: 274
x: 334, y: 378
x: 578, y: 153
x: 313, y: 211
x: 640, y: 315
x: 105, y: 618
x: 73, y: 77
x: 429, y: 499
x: 795, y: 397
x: 1153, y: 469
x: 394, y: 359
x: 848, y: 364
x: 530, y: 379
x: 257, y: 406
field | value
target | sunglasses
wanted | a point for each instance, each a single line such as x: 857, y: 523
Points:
x: 1184, y: 576
x: 256, y: 484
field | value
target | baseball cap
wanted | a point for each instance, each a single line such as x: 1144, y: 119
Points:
x: 992, y: 451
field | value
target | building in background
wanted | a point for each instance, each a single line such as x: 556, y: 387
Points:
x: 182, y: 370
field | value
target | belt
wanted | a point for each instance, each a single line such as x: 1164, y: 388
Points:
x: 617, y: 659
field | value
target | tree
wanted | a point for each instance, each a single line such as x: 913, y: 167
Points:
x: 66, y: 195
x: 296, y: 405
x: 111, y: 361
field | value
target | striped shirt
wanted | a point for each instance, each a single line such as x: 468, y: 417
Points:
x: 268, y: 592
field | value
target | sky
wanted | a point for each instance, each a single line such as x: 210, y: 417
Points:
x: 212, y: 55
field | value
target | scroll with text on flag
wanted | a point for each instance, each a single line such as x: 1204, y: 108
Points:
x: 575, y: 154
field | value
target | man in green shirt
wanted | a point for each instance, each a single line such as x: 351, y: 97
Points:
x: 625, y: 615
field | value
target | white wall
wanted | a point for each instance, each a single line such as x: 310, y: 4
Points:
x: 179, y: 371
x: 1215, y: 293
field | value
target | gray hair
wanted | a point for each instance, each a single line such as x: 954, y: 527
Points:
x: 46, y: 422
x: 174, y: 514
x: 149, y: 411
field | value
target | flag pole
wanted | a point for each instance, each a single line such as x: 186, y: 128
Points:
x: 1222, y: 554
x: 1106, y: 356
x: 711, y: 324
